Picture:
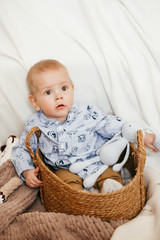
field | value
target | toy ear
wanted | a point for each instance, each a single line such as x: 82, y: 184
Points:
x: 79, y: 166
x: 110, y: 152
x: 91, y: 179
x: 117, y: 167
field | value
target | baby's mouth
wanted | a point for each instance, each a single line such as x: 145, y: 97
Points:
x: 60, y: 106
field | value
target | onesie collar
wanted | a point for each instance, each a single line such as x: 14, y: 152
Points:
x: 48, y: 121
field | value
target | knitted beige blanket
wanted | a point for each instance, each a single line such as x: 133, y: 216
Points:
x: 22, y: 215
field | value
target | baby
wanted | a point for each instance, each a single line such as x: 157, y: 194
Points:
x: 70, y: 132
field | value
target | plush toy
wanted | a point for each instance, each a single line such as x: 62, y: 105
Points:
x: 110, y: 152
x: 14, y: 182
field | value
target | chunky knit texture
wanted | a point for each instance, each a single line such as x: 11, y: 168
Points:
x: 22, y: 215
x: 48, y: 226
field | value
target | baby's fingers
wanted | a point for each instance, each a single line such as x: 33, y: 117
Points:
x: 36, y: 171
x: 34, y: 183
x: 152, y: 147
x: 37, y: 181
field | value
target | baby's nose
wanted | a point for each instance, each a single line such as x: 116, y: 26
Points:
x: 58, y: 97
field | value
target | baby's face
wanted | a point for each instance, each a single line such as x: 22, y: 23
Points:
x: 54, y: 93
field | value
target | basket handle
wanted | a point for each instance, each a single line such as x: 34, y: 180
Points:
x: 29, y: 135
x: 142, y: 152
x: 141, y: 148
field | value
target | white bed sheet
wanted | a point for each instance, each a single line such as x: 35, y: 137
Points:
x: 110, y: 47
x: 146, y: 225
x: 112, y: 51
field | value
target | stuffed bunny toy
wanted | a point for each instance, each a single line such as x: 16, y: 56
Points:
x: 110, y: 152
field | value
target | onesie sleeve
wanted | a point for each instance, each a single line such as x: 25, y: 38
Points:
x: 109, y: 125
x: 20, y: 157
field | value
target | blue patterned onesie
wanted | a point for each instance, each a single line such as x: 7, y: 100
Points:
x: 85, y: 130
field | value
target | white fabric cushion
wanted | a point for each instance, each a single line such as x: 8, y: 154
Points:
x: 111, y: 49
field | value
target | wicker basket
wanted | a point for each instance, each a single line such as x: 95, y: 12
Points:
x: 125, y: 203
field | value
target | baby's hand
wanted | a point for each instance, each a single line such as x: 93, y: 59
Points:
x: 148, y: 141
x: 31, y: 178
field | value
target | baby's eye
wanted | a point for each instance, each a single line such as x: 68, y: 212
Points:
x: 48, y: 92
x: 64, y: 88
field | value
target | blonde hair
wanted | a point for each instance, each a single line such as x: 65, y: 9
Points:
x: 40, y: 67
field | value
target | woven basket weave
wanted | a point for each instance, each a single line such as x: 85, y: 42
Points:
x: 125, y: 203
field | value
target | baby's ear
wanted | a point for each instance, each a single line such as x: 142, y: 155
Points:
x: 33, y: 101
x: 72, y: 84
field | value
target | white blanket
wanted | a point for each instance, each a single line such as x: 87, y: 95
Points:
x: 146, y: 225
